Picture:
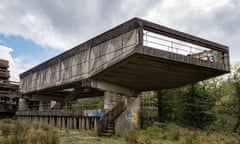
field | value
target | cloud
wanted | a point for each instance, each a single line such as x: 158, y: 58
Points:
x: 60, y: 24
x: 17, y: 65
x: 211, y: 20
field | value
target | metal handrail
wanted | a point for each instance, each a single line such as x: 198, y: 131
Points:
x: 202, y: 53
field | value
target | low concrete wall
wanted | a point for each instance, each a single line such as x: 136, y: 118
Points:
x: 129, y: 119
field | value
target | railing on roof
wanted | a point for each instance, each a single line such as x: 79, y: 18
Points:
x: 180, y: 47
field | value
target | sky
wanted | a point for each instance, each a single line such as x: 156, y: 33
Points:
x: 33, y: 31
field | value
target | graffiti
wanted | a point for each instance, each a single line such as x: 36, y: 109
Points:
x: 132, y: 118
x: 216, y: 57
x: 94, y: 113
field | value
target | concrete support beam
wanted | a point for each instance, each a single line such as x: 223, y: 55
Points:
x: 106, y: 86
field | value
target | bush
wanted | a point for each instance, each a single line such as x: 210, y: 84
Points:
x: 131, y: 138
x: 153, y: 132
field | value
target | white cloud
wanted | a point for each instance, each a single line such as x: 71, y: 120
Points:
x: 17, y: 65
x: 61, y: 25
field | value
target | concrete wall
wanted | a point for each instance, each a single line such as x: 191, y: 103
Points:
x: 129, y: 119
x: 22, y: 104
x: 81, y: 64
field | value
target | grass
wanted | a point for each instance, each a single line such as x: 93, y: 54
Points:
x: 18, y: 132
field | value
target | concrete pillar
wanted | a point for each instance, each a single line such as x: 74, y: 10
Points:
x: 80, y: 122
x: 59, y: 122
x: 41, y: 106
x: 83, y: 123
x: 87, y: 123
x: 45, y: 120
x: 95, y: 123
x: 63, y: 122
x: 51, y: 121
x: 110, y: 99
x: 68, y: 122
x: 71, y: 122
x: 75, y: 122
x: 22, y: 104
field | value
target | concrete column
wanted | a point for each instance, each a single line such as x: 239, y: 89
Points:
x: 68, y: 122
x: 71, y: 122
x: 63, y: 122
x: 110, y: 99
x: 22, y: 104
x: 83, y: 123
x: 87, y: 123
x: 45, y: 120
x: 80, y: 122
x: 95, y: 123
x: 41, y: 106
x: 59, y: 122
x: 75, y: 122
x: 51, y: 121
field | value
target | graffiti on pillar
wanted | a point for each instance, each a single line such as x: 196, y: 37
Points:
x: 132, y: 118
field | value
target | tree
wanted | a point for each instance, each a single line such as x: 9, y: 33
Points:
x: 198, y: 111
x: 236, y: 84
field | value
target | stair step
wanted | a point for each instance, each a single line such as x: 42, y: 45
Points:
x: 108, y: 131
x: 111, y: 127
x: 106, y: 134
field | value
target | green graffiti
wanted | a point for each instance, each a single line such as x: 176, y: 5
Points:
x: 217, y: 57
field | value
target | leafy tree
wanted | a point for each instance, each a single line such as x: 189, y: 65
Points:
x: 198, y: 110
x: 236, y: 84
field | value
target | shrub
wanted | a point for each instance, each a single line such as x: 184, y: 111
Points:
x: 131, y: 138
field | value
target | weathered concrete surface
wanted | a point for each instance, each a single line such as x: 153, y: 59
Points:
x: 119, y: 56
x: 129, y: 119
x: 152, y: 69
x: 82, y: 64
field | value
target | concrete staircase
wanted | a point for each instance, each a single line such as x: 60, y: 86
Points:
x: 106, y: 126
x: 109, y: 130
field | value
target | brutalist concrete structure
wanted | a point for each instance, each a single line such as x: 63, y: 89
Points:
x: 118, y: 64
x: 8, y: 91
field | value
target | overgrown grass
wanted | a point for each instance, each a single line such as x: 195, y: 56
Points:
x: 18, y: 132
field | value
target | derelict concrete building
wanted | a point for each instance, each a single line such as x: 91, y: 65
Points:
x: 135, y: 56
x: 8, y: 91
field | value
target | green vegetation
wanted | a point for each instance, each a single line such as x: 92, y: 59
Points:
x: 207, y: 112
x: 159, y: 133
x: 212, y: 105
x: 19, y: 132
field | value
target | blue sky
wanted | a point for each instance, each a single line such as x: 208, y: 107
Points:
x: 33, y: 31
x: 27, y: 48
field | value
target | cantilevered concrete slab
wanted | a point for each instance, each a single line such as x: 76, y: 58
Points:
x: 136, y: 55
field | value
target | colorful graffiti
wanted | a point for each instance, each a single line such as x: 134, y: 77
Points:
x: 132, y: 118
x: 216, y: 57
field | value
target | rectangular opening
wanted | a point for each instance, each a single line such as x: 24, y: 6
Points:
x: 154, y: 40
